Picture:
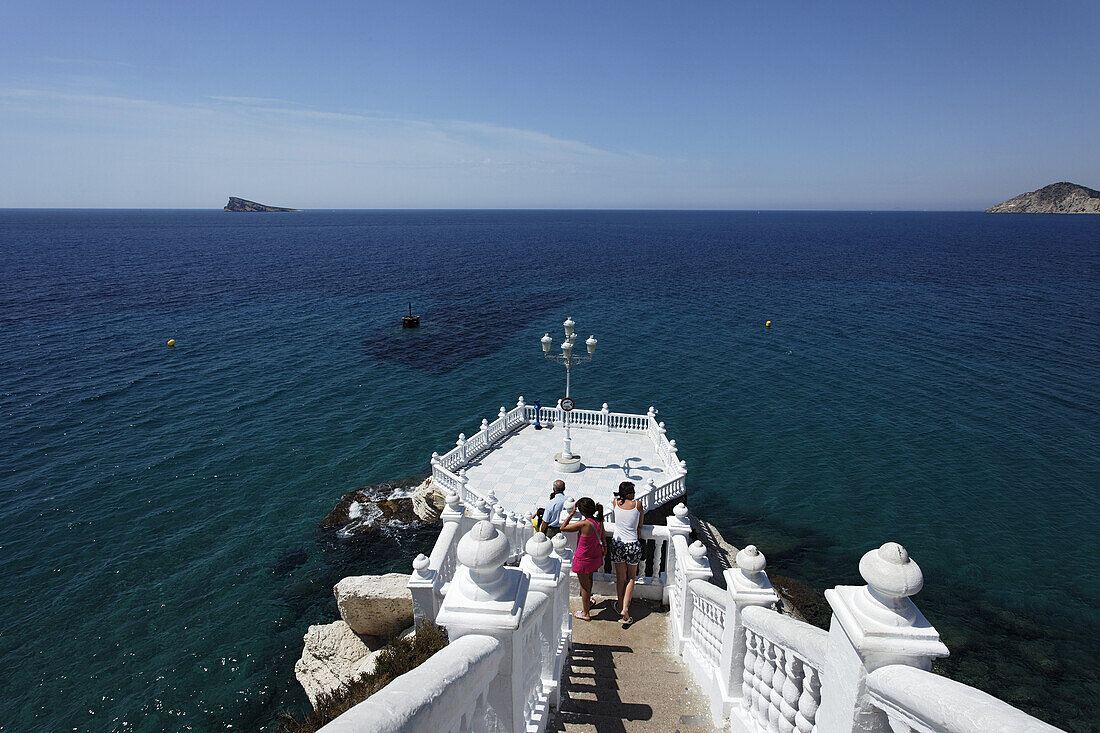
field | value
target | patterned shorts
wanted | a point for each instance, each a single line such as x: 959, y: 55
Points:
x: 628, y: 552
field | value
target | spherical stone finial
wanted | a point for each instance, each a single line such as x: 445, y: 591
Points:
x: 498, y: 512
x: 451, y: 498
x: 461, y: 439
x: 751, y: 561
x: 420, y: 564
x: 483, y: 549
x: 683, y: 467
x: 559, y: 542
x: 435, y: 456
x: 680, y: 510
x: 484, y: 424
x: 604, y: 408
x: 570, y: 502
x: 672, y: 445
x: 491, y: 496
x: 520, y: 402
x: 501, y: 412
x: 539, y: 548
x: 697, y: 550
x: 891, y: 574
x: 652, y: 411
x: 482, y: 505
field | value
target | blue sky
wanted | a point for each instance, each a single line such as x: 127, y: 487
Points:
x: 793, y: 105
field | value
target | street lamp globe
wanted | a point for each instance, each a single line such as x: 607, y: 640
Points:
x: 569, y: 324
x: 567, y: 348
x: 547, y: 342
x: 591, y: 344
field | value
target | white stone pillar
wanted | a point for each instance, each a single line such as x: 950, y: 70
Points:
x: 605, y: 419
x: 422, y: 586
x: 488, y: 599
x: 464, y: 487
x: 572, y: 538
x: 461, y: 445
x: 696, y: 566
x: 478, y: 512
x: 454, y: 511
x: 747, y: 585
x: 679, y: 524
x: 544, y: 568
x: 873, y: 626
x: 500, y: 521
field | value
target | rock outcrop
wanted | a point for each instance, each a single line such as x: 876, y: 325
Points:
x: 1057, y: 198
x: 370, y: 508
x: 428, y: 501
x: 334, y: 657
x: 236, y: 204
x: 375, y: 605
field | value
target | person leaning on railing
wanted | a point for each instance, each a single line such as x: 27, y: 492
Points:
x: 626, y: 546
x: 551, y: 518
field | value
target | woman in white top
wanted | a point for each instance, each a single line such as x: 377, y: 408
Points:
x: 626, y: 546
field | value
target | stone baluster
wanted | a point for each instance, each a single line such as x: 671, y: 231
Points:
x: 454, y: 510
x: 499, y: 520
x: 514, y: 534
x: 652, y: 413
x: 520, y: 403
x: 422, y: 586
x: 872, y: 626
x: 746, y: 585
x: 461, y: 445
x: 478, y: 512
x: 571, y: 538
x: 464, y: 486
x: 605, y: 418
x: 678, y: 524
x: 488, y: 599
x: 502, y: 416
x: 542, y: 563
x: 696, y: 566
x: 436, y: 460
x: 561, y: 549
x: 485, y: 429
x: 683, y: 468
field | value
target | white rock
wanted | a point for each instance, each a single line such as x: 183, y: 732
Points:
x: 375, y: 605
x: 428, y: 501
x: 334, y: 656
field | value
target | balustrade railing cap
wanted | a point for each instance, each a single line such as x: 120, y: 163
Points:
x: 461, y: 439
x: 451, y: 498
x: 420, y: 563
x: 680, y: 510
x: 483, y: 548
x: 890, y: 572
x: 559, y: 542
x: 751, y: 561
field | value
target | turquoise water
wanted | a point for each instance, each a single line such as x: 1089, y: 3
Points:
x: 928, y: 378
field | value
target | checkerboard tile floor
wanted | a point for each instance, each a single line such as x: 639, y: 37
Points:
x: 521, y: 469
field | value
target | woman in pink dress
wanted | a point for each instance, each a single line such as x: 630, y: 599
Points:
x: 589, y: 555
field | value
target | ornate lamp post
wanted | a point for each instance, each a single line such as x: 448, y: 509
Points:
x: 566, y: 461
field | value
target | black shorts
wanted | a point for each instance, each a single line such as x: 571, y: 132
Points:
x: 551, y: 531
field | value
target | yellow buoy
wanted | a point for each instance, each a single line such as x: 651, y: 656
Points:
x: 172, y: 342
x: 767, y: 324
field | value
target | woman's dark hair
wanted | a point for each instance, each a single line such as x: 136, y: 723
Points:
x: 540, y: 512
x: 626, y: 490
x: 590, y: 509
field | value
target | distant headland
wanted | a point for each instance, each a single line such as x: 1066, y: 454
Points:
x: 236, y: 204
x: 1057, y: 198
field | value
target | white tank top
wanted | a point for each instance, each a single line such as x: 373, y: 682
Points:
x: 626, y: 523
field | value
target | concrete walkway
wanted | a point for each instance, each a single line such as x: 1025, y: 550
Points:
x: 620, y: 680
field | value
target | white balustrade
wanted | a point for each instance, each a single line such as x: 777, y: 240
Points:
x: 915, y: 701
x: 449, y: 693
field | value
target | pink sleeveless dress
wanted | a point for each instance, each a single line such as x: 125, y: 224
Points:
x: 589, y: 555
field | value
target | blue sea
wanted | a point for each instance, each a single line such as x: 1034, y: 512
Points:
x: 928, y: 378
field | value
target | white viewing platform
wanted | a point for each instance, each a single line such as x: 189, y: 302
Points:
x: 509, y: 462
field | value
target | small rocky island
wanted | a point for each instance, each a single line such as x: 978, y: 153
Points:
x: 236, y: 204
x: 1057, y: 198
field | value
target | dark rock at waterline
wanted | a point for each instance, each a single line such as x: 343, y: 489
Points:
x: 392, y: 510
x: 809, y: 601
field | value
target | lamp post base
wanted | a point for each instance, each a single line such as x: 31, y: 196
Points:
x: 567, y: 465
